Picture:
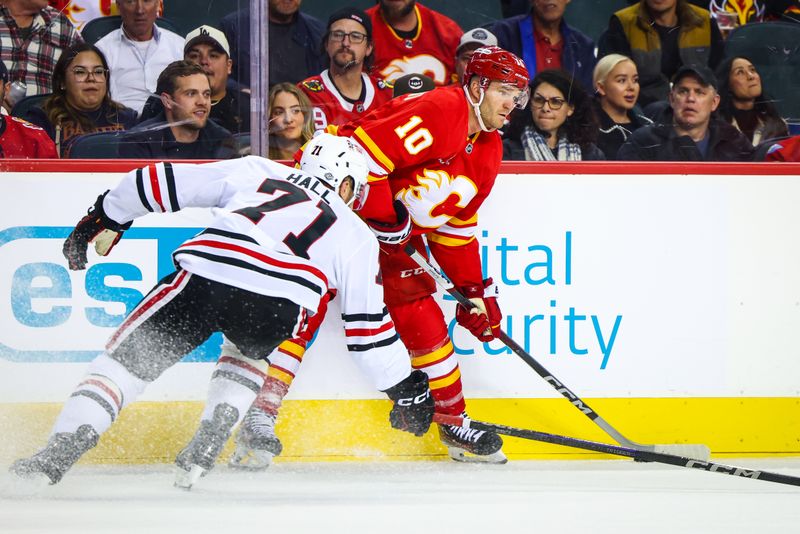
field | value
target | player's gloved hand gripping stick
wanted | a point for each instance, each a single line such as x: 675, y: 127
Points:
x: 698, y: 451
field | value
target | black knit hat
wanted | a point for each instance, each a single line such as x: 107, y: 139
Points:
x: 355, y: 14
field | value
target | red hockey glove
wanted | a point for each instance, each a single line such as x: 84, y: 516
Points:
x: 413, y: 404
x: 97, y: 227
x: 306, y: 333
x: 483, y: 321
x: 392, y: 236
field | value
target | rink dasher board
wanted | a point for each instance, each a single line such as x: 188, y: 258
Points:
x: 667, y: 293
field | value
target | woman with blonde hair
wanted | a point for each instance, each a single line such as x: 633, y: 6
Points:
x: 616, y: 86
x: 290, y: 121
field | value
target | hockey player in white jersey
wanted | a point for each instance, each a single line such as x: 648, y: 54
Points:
x: 256, y: 274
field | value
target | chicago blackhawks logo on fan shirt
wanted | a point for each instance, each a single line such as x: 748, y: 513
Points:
x: 437, y: 197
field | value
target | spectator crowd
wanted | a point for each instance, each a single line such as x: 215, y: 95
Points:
x: 655, y: 86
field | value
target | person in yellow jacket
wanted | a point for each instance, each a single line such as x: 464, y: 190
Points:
x: 661, y: 36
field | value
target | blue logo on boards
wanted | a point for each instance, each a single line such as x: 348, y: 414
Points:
x: 43, y: 293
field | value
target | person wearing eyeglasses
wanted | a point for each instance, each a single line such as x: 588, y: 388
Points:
x: 81, y: 102
x: 558, y: 125
x: 344, y: 91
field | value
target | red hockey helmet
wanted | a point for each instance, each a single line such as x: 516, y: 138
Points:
x: 492, y: 63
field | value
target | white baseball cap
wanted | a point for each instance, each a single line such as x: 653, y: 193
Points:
x: 479, y: 36
x: 209, y: 35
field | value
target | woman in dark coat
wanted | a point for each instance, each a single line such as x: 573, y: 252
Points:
x: 616, y: 85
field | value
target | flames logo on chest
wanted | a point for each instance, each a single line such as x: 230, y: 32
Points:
x: 437, y: 197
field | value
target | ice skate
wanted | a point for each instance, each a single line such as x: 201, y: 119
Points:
x: 199, y: 456
x: 61, y: 452
x: 470, y: 445
x: 256, y: 442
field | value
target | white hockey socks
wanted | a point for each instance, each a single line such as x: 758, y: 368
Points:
x: 107, y: 387
x: 236, y: 381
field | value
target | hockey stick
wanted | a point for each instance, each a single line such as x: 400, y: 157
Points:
x: 636, y: 454
x: 688, y: 450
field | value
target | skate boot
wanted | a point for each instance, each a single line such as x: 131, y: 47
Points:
x: 256, y: 442
x: 61, y: 452
x: 199, y: 456
x: 470, y: 445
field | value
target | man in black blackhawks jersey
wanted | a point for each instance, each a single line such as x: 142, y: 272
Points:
x: 256, y: 274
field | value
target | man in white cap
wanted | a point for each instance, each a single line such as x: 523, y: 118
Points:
x: 471, y: 41
x: 230, y: 106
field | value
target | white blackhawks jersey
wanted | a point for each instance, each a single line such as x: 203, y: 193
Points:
x: 277, y: 232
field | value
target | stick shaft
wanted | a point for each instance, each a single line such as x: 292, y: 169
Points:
x: 617, y: 450
x: 527, y: 358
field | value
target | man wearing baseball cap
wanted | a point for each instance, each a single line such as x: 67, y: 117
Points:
x: 19, y: 138
x: 343, y: 91
x: 471, y: 41
x: 694, y: 134
x: 230, y: 106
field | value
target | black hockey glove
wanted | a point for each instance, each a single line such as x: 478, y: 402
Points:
x: 97, y: 227
x: 392, y: 236
x: 413, y: 404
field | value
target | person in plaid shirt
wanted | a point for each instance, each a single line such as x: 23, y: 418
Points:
x: 32, y: 37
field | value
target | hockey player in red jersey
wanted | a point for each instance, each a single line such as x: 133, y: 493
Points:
x: 19, y: 138
x: 264, y: 265
x: 344, y: 92
x: 413, y: 39
x: 437, y: 154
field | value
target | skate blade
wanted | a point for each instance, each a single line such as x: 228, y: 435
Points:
x: 247, y: 459
x: 186, y: 479
x: 460, y: 455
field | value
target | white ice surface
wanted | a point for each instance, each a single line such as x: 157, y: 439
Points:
x: 439, y: 497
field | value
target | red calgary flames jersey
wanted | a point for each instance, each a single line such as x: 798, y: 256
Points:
x: 431, y: 51
x: 21, y: 139
x: 431, y: 165
x: 331, y: 107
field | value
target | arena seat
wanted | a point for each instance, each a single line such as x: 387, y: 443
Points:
x: 96, y: 29
x: 189, y: 14
x: 100, y: 145
x: 592, y: 16
x: 774, y: 48
x: 22, y: 108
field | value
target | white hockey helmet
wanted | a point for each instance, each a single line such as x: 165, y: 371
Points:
x: 333, y: 159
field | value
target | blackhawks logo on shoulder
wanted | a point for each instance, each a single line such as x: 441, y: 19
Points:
x: 313, y: 85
